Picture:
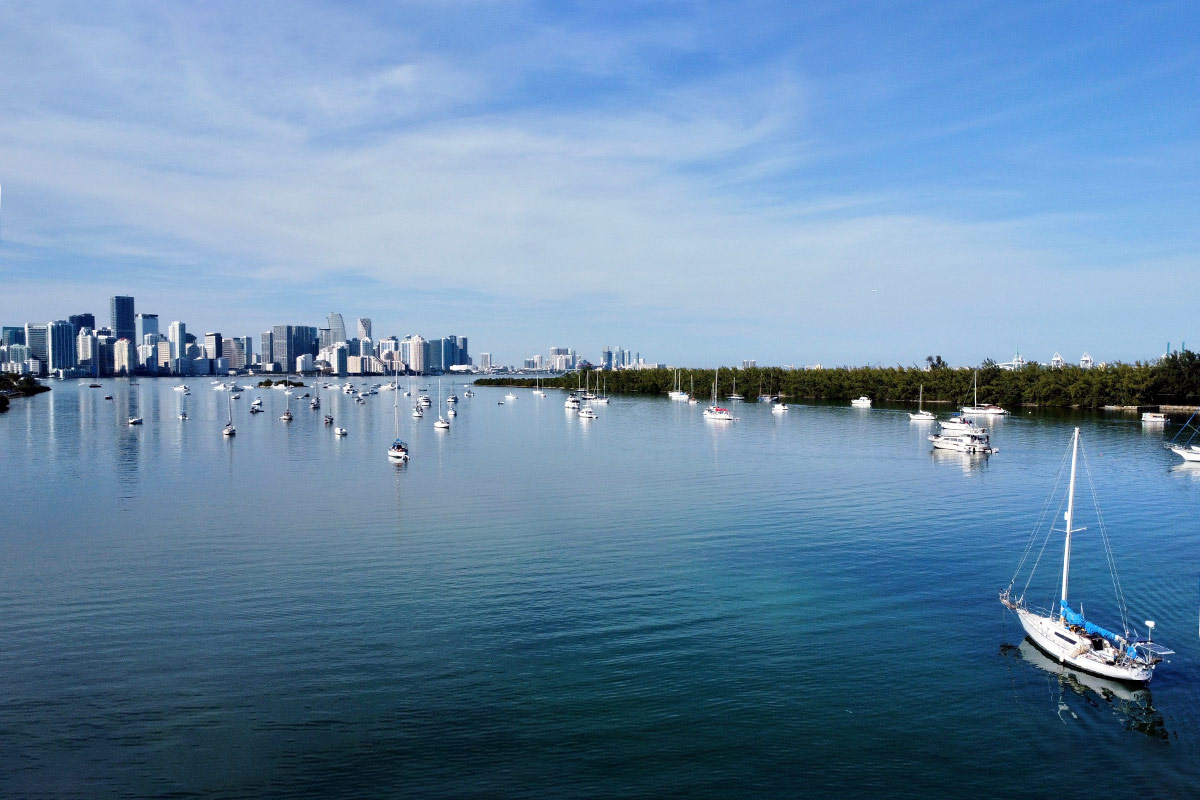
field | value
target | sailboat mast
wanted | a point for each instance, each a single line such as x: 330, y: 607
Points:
x: 1070, y: 517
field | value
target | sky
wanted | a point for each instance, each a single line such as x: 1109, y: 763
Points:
x: 836, y: 182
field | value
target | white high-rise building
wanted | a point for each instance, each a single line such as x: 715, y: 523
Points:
x: 337, y: 328
x: 485, y: 362
x: 124, y: 357
x: 177, y: 336
x: 416, y: 357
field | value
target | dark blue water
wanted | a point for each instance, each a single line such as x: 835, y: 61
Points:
x: 646, y: 604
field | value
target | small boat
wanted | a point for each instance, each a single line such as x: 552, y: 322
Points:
x: 922, y: 415
x: 778, y: 408
x: 108, y: 397
x: 572, y: 401
x: 256, y: 402
x: 93, y: 386
x: 510, y: 396
x: 450, y: 412
x: 442, y: 424
x: 1187, y: 453
x: 675, y: 394
x: 735, y: 396
x: 958, y: 424
x: 135, y: 420
x: 183, y: 415
x: 861, y: 402
x: 985, y: 410
x: 339, y: 431
x: 1066, y: 635
x: 256, y: 409
x: 229, y: 430
x: 964, y: 443
x: 468, y: 393
x: 183, y: 387
x: 329, y: 419
x: 1154, y: 418
x: 424, y: 400
x: 452, y: 399
x: 286, y: 416
x: 237, y: 396
x: 587, y: 413
x: 398, y: 451
x: 714, y: 411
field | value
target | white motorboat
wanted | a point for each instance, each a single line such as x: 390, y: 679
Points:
x: 963, y: 443
x: 587, y: 412
x: 136, y: 420
x: 1154, y: 418
x: 1186, y: 452
x: 417, y: 412
x: 398, y: 451
x: 861, y: 402
x: 183, y: 387
x: 442, y: 424
x: 572, y: 401
x: 510, y: 396
x: 958, y: 424
x: 779, y: 408
x: 1066, y: 635
x: 339, y: 431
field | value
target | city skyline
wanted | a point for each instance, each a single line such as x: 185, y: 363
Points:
x: 828, y: 183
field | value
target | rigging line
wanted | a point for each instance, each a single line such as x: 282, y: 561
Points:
x: 1112, y: 564
x: 1037, y: 526
x: 1045, y: 541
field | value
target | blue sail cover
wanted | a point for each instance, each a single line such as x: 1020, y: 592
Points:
x: 1077, y: 619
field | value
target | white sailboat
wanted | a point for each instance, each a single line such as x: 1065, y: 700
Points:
x: 286, y: 416
x: 714, y: 411
x: 675, y: 394
x: 134, y: 419
x: 1066, y: 635
x: 922, y: 415
x: 442, y: 423
x: 985, y: 410
x: 229, y: 430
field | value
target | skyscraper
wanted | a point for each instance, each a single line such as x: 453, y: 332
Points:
x: 177, y: 336
x: 289, y: 342
x: 212, y: 345
x: 60, y: 345
x: 81, y: 321
x: 416, y: 357
x: 337, y: 328
x: 36, y: 339
x: 146, y: 323
x: 267, y: 348
x: 364, y: 327
x: 123, y: 322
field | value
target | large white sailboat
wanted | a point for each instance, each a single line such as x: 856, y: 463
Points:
x: 398, y: 451
x: 675, y: 394
x: 1064, y: 634
x: 714, y: 411
x: 922, y: 415
x: 985, y: 410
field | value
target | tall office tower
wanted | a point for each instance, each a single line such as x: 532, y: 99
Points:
x: 11, y: 334
x: 212, y: 345
x: 36, y: 339
x: 123, y: 322
x: 324, y: 339
x: 124, y: 357
x: 485, y: 361
x: 606, y: 357
x: 464, y: 355
x: 146, y: 358
x: 81, y: 321
x: 340, y: 360
x: 364, y: 327
x: 266, y: 348
x: 163, y: 356
x: 60, y: 345
x: 177, y: 336
x: 104, y: 352
x: 416, y: 356
x: 388, y: 345
x: 233, y: 351
x: 146, y: 323
x: 337, y: 328
x: 247, y: 348
x: 85, y: 350
x: 289, y: 342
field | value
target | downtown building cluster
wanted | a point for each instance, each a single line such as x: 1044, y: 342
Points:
x: 132, y: 343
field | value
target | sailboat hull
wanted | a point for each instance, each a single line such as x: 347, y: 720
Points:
x: 1067, y: 647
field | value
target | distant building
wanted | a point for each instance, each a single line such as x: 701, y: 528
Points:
x: 146, y: 324
x: 124, y: 357
x: 60, y: 345
x: 749, y: 363
x: 337, y: 328
x: 364, y: 327
x: 37, y: 340
x: 1085, y: 361
x: 123, y: 319
x: 1057, y: 362
x: 81, y: 321
x: 213, y: 345
x: 1016, y: 363
x: 177, y: 336
x: 485, y: 362
x: 11, y: 334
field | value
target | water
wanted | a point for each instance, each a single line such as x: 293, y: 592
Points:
x: 646, y: 604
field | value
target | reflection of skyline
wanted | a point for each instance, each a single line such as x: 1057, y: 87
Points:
x: 1132, y: 703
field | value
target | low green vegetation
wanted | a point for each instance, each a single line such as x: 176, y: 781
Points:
x: 281, y: 382
x: 1174, y: 380
x: 13, y: 386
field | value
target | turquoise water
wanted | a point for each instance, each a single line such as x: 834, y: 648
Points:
x: 645, y: 604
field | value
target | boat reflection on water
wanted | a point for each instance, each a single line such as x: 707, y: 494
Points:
x: 969, y: 462
x: 1130, y: 702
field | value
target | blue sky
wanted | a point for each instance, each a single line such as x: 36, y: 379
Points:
x: 840, y: 182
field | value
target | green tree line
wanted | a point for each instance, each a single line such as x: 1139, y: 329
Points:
x: 1175, y: 380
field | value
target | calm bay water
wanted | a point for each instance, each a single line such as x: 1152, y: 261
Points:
x: 645, y: 604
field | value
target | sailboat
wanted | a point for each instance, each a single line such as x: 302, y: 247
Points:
x: 315, y: 403
x: 398, y: 451
x: 691, y: 398
x: 602, y: 398
x: 229, y: 429
x: 735, y: 395
x: 442, y: 423
x: 985, y: 410
x: 1066, y: 635
x: 922, y: 415
x: 538, y: 390
x: 714, y: 411
x: 675, y: 394
x: 286, y: 416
